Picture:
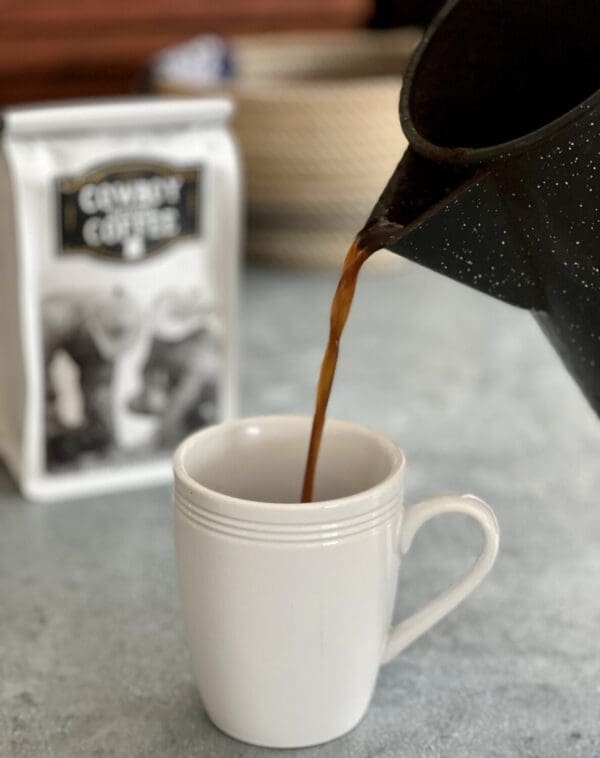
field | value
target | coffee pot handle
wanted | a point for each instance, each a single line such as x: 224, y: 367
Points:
x: 410, y: 629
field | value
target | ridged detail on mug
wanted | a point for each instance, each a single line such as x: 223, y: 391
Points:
x: 260, y: 531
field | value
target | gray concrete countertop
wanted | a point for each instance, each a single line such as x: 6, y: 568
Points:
x: 92, y: 657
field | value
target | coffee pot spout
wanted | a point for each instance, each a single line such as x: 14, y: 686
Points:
x: 499, y: 187
x: 455, y: 220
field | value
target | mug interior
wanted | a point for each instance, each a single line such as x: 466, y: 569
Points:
x: 263, y: 459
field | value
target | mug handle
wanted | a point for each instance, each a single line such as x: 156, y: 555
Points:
x: 414, y: 626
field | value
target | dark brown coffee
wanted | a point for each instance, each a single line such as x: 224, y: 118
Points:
x: 340, y: 308
x: 367, y: 241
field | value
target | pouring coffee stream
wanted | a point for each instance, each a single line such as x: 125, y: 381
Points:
x: 500, y: 186
x: 341, y: 304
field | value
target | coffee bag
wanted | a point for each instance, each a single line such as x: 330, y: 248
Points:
x: 119, y: 226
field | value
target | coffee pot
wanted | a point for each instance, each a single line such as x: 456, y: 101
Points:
x: 500, y: 185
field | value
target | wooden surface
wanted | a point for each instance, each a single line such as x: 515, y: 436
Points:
x: 78, y: 48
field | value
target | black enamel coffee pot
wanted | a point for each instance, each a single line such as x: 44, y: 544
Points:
x: 500, y: 186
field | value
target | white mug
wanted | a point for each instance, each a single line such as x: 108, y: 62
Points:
x: 287, y: 606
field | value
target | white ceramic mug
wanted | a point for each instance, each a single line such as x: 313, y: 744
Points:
x: 288, y: 606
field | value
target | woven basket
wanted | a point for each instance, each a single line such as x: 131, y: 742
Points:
x: 317, y: 121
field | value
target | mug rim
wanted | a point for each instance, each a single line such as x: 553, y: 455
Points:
x: 345, y: 508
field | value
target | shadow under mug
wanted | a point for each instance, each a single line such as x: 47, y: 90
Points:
x: 287, y: 606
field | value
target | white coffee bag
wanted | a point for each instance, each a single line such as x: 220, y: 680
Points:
x: 119, y: 229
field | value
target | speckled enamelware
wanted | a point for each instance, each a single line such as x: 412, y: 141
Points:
x: 500, y: 187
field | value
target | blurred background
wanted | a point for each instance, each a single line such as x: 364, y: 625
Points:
x: 315, y: 84
x: 82, y: 48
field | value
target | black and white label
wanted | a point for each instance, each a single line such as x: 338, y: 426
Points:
x: 127, y: 211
